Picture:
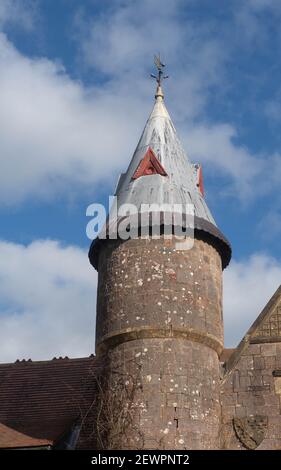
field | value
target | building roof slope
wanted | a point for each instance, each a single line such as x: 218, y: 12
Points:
x: 44, y: 399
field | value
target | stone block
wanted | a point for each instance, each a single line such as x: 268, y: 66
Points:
x: 259, y: 362
x: 268, y: 349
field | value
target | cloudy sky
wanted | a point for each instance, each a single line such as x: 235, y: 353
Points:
x: 74, y: 96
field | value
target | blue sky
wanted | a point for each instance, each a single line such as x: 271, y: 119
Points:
x: 75, y: 93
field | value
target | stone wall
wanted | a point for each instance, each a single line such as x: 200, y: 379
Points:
x: 159, y: 314
x: 250, y: 399
x: 148, y: 284
x: 176, y: 400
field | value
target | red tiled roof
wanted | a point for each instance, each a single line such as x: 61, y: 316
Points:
x: 44, y: 399
x: 9, y: 438
x: 226, y: 353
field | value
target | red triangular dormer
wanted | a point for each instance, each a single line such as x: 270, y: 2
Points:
x: 149, y: 165
x: 200, y: 183
x: 199, y: 177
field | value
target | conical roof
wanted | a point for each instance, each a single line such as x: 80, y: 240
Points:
x: 161, y: 173
x: 179, y: 185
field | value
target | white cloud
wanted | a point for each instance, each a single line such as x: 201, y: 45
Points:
x: 20, y: 13
x: 54, y: 132
x: 120, y: 44
x: 124, y: 37
x: 47, y: 301
x: 270, y: 224
x: 248, y: 286
x: 252, y: 20
x: 215, y: 145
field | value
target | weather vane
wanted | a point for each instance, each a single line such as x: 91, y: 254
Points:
x: 159, y: 65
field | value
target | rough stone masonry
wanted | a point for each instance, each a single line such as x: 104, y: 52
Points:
x: 161, y: 309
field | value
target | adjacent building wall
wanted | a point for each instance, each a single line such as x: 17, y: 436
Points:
x: 250, y: 399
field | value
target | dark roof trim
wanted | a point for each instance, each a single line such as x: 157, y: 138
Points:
x: 30, y: 362
x: 43, y: 447
x: 202, y: 230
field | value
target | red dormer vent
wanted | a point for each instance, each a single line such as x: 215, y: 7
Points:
x: 199, y: 178
x: 149, y: 165
x: 200, y: 181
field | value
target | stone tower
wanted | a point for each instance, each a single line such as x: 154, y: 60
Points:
x: 159, y: 308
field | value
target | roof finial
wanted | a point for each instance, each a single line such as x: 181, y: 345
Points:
x: 159, y: 65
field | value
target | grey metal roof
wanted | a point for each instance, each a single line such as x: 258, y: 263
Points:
x: 179, y: 187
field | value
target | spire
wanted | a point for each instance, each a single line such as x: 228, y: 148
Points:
x: 159, y: 95
x: 161, y: 173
